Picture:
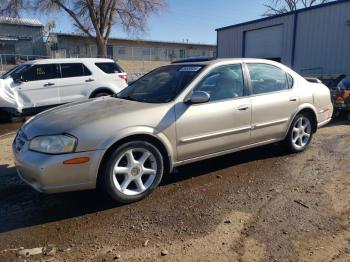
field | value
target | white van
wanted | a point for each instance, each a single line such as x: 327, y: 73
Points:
x: 39, y: 84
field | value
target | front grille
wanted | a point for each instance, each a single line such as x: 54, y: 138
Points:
x: 20, y: 140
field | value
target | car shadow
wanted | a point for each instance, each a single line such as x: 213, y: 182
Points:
x: 218, y: 163
x: 338, y: 122
x: 21, y: 206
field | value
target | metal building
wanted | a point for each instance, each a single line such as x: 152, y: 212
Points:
x: 20, y: 37
x: 313, y: 41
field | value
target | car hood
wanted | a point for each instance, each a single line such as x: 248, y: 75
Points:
x: 95, y: 119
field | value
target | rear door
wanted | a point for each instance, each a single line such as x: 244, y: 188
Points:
x: 39, y: 86
x: 274, y: 101
x: 76, y: 82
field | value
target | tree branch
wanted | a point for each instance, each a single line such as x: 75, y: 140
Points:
x: 74, y: 16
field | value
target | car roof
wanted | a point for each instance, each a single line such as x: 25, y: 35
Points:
x: 220, y: 60
x: 69, y: 60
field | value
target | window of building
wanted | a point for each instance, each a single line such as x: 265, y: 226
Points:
x: 171, y: 53
x: 225, y: 82
x: 268, y: 78
x: 110, y: 51
x: 40, y: 72
x: 146, y: 51
x: 54, y: 46
x: 121, y: 50
x: 182, y: 53
x: 74, y: 70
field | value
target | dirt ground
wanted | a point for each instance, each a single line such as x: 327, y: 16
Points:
x: 256, y: 205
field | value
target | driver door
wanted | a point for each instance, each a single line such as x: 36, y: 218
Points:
x: 39, y: 86
x: 223, y: 123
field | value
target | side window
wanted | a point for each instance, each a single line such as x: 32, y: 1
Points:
x: 225, y: 82
x: 290, y: 81
x: 74, y: 70
x: 109, y: 68
x: 268, y: 78
x: 40, y: 72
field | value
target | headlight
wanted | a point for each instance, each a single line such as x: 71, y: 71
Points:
x: 59, y: 144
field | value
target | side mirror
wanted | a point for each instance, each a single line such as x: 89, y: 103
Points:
x: 198, y: 97
x: 17, y: 79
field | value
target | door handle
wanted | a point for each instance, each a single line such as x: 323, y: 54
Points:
x: 89, y: 80
x: 293, y: 99
x: 243, y: 107
x: 49, y: 84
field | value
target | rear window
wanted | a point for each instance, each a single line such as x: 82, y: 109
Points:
x: 74, y: 70
x: 109, y: 67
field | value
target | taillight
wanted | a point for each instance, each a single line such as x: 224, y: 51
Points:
x: 124, y: 77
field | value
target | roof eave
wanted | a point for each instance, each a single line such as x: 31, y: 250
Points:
x: 285, y: 14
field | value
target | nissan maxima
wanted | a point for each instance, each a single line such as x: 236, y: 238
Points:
x: 174, y: 115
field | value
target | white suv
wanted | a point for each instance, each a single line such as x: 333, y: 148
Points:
x: 43, y: 83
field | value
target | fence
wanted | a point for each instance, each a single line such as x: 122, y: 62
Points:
x: 133, y: 53
x: 135, y: 69
x: 135, y: 60
x: 8, y: 60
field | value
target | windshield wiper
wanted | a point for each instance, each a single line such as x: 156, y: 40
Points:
x: 127, y: 98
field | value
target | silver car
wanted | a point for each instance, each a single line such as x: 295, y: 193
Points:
x: 176, y: 114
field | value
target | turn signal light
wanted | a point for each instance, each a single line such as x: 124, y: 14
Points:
x: 77, y: 161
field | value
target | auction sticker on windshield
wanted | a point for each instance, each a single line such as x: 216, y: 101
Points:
x: 190, y: 69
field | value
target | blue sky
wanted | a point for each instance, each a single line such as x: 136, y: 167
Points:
x: 195, y: 20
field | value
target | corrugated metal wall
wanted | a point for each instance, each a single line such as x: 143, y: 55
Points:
x: 32, y: 45
x: 322, y: 39
x: 231, y: 40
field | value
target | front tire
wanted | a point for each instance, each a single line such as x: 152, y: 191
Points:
x: 300, y: 133
x: 132, y: 171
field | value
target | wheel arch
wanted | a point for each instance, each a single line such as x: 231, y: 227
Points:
x: 101, y: 89
x: 308, y: 109
x: 157, y: 142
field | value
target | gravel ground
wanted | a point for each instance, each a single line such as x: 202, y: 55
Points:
x: 256, y: 205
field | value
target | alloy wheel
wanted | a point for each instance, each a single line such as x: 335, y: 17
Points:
x: 301, y: 132
x: 134, y: 171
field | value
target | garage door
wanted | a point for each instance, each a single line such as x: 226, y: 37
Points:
x: 264, y: 43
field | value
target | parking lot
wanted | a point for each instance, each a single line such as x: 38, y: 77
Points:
x: 257, y: 205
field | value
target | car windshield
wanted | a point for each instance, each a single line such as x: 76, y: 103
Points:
x: 15, y: 71
x: 162, y: 85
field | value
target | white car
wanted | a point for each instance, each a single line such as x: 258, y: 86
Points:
x: 39, y: 84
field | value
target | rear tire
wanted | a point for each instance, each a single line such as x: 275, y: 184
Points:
x: 300, y: 133
x: 132, y: 171
x: 348, y: 116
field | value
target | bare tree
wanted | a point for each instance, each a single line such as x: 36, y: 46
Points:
x: 275, y: 7
x: 95, y: 18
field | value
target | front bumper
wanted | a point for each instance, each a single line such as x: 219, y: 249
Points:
x: 8, y: 102
x: 48, y: 174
